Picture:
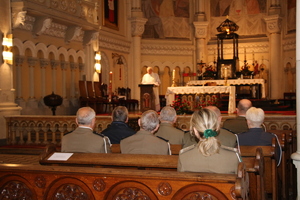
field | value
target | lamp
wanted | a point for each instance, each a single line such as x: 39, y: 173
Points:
x: 6, y: 53
x: 97, y: 62
x: 227, y: 27
x: 119, y: 62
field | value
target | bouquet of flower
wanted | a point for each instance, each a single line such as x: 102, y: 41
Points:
x: 181, y: 106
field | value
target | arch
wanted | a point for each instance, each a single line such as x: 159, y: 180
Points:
x: 80, y: 54
x: 19, y: 44
x: 53, y: 49
x: 73, y: 53
x: 63, y: 51
x: 42, y: 47
x: 30, y: 45
x: 146, y: 63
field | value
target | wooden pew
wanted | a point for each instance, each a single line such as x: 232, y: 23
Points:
x: 255, y: 169
x: 270, y: 166
x: 65, y: 182
x: 175, y: 148
x: 286, y: 167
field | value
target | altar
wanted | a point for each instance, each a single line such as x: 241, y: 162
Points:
x: 241, y: 82
x: 171, y: 91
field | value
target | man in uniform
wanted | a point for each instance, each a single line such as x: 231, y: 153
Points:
x: 239, y: 123
x: 166, y: 129
x: 118, y: 129
x: 83, y: 139
x: 144, y: 142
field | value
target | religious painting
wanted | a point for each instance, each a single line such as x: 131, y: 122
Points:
x: 226, y: 71
x: 291, y: 18
x: 166, y: 19
x: 247, y: 14
x: 110, y: 12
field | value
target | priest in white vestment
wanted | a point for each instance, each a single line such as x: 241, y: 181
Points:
x: 152, y: 78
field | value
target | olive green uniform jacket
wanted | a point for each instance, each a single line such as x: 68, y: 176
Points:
x: 144, y: 142
x: 236, y: 125
x: 170, y: 133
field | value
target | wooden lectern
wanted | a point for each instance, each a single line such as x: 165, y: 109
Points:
x: 147, y: 99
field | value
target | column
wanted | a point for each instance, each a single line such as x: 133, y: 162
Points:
x: 7, y: 91
x: 43, y: 64
x: 200, y: 35
x: 275, y: 69
x: 54, y: 64
x: 296, y: 156
x: 64, y: 66
x: 32, y: 102
x: 137, y: 29
x: 19, y: 64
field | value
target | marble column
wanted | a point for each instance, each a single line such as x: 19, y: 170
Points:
x: 137, y: 29
x: 19, y: 61
x: 32, y: 101
x: 43, y: 64
x: 296, y: 156
x: 273, y: 23
x: 54, y: 65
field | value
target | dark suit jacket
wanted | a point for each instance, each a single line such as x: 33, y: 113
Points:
x: 117, y: 131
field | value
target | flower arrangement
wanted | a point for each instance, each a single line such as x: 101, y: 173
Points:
x: 209, y: 72
x: 181, y: 106
x: 245, y: 71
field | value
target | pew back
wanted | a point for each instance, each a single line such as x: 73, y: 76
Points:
x: 52, y: 182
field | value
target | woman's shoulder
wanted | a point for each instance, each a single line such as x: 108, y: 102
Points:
x: 187, y: 149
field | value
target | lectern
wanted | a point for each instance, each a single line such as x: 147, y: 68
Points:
x: 147, y: 99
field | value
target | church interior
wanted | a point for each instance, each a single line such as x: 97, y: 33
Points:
x: 60, y: 55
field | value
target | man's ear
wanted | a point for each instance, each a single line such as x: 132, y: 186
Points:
x: 76, y: 120
x: 156, y: 128
x: 139, y: 122
x: 126, y: 120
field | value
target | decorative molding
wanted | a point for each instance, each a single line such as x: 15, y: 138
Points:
x: 114, y: 44
x: 164, y: 189
x: 201, y: 29
x: 289, y: 45
x: 31, y: 61
x: 137, y: 26
x: 273, y: 23
x: 40, y: 181
x: 44, y: 63
x: 99, y: 185
x: 153, y: 49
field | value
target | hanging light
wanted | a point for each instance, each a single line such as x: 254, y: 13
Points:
x: 97, y: 62
x: 6, y: 53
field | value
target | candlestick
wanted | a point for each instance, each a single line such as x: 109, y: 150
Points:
x: 173, y: 78
x: 110, y: 86
x: 245, y: 52
x: 225, y: 73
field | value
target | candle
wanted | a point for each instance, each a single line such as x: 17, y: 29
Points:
x: 110, y: 76
x: 245, y: 52
x: 173, y: 75
x: 225, y: 72
x: 110, y: 86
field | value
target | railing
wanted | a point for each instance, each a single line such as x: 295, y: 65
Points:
x: 42, y: 130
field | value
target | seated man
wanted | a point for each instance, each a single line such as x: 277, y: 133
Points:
x: 256, y: 136
x: 118, y: 129
x: 166, y: 129
x: 83, y: 139
x: 144, y: 142
x: 239, y: 124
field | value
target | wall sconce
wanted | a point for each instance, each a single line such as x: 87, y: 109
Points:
x: 7, y: 53
x: 97, y: 62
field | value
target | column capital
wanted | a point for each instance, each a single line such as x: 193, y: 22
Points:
x: 19, y: 60
x: 273, y: 23
x: 81, y: 66
x: 201, y: 29
x: 44, y: 63
x: 64, y: 65
x: 137, y: 26
x: 31, y: 61
x: 54, y: 64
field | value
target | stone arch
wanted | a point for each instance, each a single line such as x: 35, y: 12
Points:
x: 73, y: 53
x: 42, y: 47
x: 19, y: 45
x: 53, y: 49
x: 80, y: 54
x: 63, y: 51
x: 30, y: 45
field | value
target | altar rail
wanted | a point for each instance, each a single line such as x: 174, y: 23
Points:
x: 58, y: 182
x: 42, y: 130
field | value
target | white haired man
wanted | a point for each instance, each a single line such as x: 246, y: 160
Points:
x: 152, y: 78
x: 144, y: 142
x: 166, y: 129
x: 83, y: 139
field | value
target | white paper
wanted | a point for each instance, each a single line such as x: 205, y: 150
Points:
x: 60, y: 156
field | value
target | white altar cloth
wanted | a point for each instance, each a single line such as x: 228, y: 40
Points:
x: 171, y: 91
x: 233, y: 82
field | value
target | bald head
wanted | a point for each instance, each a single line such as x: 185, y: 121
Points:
x: 149, y: 70
x: 243, y: 106
x: 215, y: 109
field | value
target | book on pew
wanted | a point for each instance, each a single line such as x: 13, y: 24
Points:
x: 60, y: 156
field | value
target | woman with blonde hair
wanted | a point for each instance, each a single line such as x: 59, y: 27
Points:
x: 208, y: 155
